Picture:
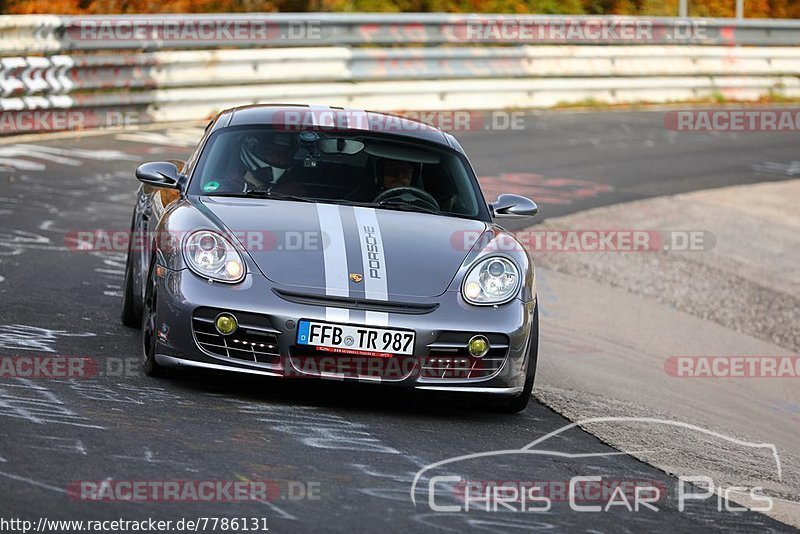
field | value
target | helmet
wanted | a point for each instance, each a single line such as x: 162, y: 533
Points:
x: 268, y: 149
x: 398, y: 172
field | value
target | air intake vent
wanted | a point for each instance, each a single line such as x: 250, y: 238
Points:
x: 448, y: 358
x: 250, y: 342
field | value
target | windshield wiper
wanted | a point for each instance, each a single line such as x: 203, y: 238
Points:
x: 400, y: 205
x: 265, y: 193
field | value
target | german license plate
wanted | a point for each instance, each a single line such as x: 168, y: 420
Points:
x: 356, y: 338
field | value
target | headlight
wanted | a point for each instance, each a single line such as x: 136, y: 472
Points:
x: 212, y: 256
x: 493, y: 280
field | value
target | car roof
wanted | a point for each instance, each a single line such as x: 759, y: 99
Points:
x: 296, y: 117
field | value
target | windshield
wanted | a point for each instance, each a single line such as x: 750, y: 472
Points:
x: 345, y: 167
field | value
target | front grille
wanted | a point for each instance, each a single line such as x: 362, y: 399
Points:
x: 449, y: 359
x: 255, y: 340
x: 310, y: 361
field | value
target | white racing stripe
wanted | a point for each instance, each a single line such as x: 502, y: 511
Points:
x: 373, y: 261
x: 334, y: 259
x: 377, y: 318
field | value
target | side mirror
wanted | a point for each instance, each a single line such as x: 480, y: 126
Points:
x: 507, y: 206
x: 159, y: 174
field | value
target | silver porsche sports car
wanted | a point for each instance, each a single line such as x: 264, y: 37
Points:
x: 330, y: 243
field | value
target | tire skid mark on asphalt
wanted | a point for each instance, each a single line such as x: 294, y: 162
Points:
x: 280, y: 511
x: 34, y: 158
x: 34, y: 338
x: 22, y: 399
x: 10, y: 204
x: 91, y: 185
x: 249, y: 408
x: 307, y: 423
x: 94, y: 198
x: 126, y: 393
x: 113, y: 272
x: 16, y: 242
x: 32, y: 482
x: 389, y: 494
x: 331, y: 431
x: 772, y: 167
x: 318, y: 430
x: 491, y: 524
x: 149, y: 457
x: 176, y: 137
x: 112, y: 290
x: 15, y: 164
x: 403, y: 481
x: 408, y: 476
x: 58, y: 444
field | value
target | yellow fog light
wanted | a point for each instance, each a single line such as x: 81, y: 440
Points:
x: 478, y: 346
x: 226, y: 324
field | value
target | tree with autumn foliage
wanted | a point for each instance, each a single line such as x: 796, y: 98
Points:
x: 697, y: 8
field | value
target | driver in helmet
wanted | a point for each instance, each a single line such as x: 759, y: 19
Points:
x: 396, y: 173
x: 265, y: 158
x: 393, y: 174
x: 388, y: 174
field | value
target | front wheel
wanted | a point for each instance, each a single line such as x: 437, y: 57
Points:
x: 520, y: 402
x: 131, y: 309
x: 149, y: 328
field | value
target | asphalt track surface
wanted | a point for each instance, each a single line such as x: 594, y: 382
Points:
x: 356, y: 448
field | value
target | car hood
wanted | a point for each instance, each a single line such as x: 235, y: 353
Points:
x: 347, y: 251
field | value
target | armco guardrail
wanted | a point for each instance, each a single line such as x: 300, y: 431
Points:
x: 103, y: 70
x: 51, y: 33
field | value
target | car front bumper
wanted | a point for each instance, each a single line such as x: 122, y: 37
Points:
x: 181, y: 296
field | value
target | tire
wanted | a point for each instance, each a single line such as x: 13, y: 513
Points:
x: 131, y: 306
x: 520, y: 402
x: 149, y: 325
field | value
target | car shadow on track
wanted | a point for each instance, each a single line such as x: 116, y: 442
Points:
x: 350, y: 396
